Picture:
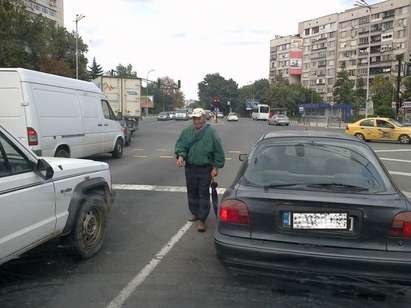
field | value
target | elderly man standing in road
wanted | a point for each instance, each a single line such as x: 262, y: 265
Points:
x: 199, y: 150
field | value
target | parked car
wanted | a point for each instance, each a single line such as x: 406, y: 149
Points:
x: 45, y: 198
x: 279, y: 119
x: 127, y: 131
x: 220, y: 115
x: 172, y: 115
x: 182, y: 115
x: 232, y: 117
x: 380, y: 129
x: 58, y: 116
x: 310, y: 202
x: 163, y: 116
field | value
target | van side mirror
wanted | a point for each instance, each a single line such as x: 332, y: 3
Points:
x: 44, y: 170
x: 243, y: 157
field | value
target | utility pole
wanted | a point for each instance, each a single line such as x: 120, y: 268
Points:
x: 148, y: 73
x: 78, y: 18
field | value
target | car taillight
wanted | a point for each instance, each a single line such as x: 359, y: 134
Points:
x: 32, y: 136
x: 234, y: 212
x: 401, y: 225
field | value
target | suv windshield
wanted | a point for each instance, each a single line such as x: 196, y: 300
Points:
x: 313, y: 166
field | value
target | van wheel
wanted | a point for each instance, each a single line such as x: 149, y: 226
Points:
x: 62, y: 152
x: 404, y: 139
x: 118, y: 149
x: 90, y: 227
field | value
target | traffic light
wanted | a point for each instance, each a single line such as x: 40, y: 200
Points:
x: 179, y: 84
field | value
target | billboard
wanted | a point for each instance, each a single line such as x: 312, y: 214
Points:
x: 296, y: 63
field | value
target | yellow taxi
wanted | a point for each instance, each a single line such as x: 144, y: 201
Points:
x: 380, y: 129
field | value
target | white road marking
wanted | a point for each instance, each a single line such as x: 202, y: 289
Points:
x: 396, y: 160
x: 138, y: 150
x: 140, y: 156
x: 228, y: 158
x: 234, y: 152
x: 122, y: 297
x: 166, y: 156
x: 392, y: 151
x: 156, y: 188
x: 399, y: 173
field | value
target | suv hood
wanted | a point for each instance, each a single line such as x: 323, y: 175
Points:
x: 64, y: 167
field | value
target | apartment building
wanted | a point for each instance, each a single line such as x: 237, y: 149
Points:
x: 344, y: 41
x: 319, y: 54
x: 286, y: 58
x: 52, y: 9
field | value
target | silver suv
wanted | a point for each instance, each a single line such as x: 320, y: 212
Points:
x: 44, y: 198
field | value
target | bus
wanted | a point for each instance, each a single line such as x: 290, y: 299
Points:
x: 261, y: 112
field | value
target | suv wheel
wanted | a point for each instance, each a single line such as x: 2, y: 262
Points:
x: 90, y: 227
x: 118, y: 149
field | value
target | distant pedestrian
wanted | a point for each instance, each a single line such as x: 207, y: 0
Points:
x: 199, y: 150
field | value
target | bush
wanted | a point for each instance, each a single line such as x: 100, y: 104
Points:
x: 385, y: 111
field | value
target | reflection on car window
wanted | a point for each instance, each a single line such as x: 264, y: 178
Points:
x: 367, y: 123
x: 384, y: 124
x: 11, y: 160
x: 310, y: 163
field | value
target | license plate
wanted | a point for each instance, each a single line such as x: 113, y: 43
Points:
x: 320, y: 221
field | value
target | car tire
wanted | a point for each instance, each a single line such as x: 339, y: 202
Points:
x: 62, y: 152
x: 89, y: 229
x: 118, y: 149
x: 359, y: 136
x: 404, y: 139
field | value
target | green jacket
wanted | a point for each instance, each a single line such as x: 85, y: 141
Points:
x: 207, y: 151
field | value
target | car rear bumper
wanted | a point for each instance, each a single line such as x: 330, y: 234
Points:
x: 274, y: 258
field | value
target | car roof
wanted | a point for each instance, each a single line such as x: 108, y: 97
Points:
x: 374, y: 118
x: 308, y: 134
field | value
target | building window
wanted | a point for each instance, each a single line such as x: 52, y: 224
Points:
x: 363, y: 41
x: 331, y: 63
x: 400, y: 34
x: 330, y: 81
x: 343, y: 34
x: 343, y: 45
x: 316, y: 30
x: 363, y: 20
x: 353, y: 43
x: 331, y: 53
x: 307, y: 31
x: 331, y: 34
x: 375, y: 16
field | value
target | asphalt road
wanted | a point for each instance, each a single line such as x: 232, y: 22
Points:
x: 164, y: 270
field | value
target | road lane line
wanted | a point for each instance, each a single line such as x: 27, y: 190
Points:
x: 234, y: 152
x: 138, y: 150
x: 157, y: 188
x: 228, y: 158
x: 392, y: 151
x: 396, y: 160
x: 140, y: 156
x: 166, y: 156
x: 399, y: 173
x: 122, y: 297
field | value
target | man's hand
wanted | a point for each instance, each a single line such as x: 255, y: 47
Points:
x: 180, y: 162
x: 214, y: 172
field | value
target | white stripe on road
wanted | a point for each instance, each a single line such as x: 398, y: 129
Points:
x: 399, y: 173
x: 157, y: 188
x: 392, y: 151
x: 121, y: 298
x: 396, y: 160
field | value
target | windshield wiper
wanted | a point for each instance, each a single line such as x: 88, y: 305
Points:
x: 338, y: 186
x: 282, y: 185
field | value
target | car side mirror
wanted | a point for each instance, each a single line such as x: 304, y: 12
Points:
x: 243, y: 157
x: 44, y: 170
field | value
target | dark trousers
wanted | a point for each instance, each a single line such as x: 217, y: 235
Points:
x: 198, y: 190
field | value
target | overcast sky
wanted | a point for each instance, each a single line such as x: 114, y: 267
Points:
x: 186, y: 39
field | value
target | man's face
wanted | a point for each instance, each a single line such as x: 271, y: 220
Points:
x: 199, y: 122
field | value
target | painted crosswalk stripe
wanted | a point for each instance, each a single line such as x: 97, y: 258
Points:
x: 166, y: 156
x: 392, y: 151
x: 395, y: 160
x: 140, y: 156
x: 399, y: 173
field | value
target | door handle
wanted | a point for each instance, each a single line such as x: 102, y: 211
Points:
x: 105, y: 124
x: 100, y: 125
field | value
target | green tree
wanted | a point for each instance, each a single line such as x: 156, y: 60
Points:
x: 95, y: 70
x: 360, y: 95
x: 126, y: 71
x: 167, y: 96
x: 382, y: 90
x: 406, y: 85
x: 216, y: 85
x: 343, y: 89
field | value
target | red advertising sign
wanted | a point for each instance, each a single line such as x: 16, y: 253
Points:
x: 296, y: 62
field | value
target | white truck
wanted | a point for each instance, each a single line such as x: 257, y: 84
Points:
x: 124, y: 96
x: 45, y: 198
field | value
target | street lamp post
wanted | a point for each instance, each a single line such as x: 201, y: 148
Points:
x: 78, y: 18
x: 148, y: 73
x: 368, y: 107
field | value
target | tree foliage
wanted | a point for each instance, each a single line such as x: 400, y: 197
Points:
x: 166, y: 97
x: 95, y: 70
x: 34, y: 42
x: 125, y: 71
x: 406, y: 93
x: 343, y: 91
x: 215, y: 85
x: 382, y: 90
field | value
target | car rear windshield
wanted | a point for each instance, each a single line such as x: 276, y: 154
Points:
x: 316, y: 166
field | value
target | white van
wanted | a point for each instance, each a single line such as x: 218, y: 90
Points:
x: 58, y: 116
x: 261, y: 112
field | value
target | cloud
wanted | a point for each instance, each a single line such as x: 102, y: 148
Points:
x: 187, y: 39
